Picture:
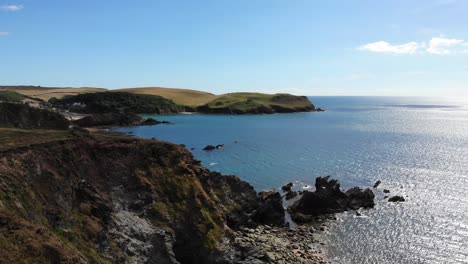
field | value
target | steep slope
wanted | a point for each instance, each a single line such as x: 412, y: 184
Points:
x: 102, y: 199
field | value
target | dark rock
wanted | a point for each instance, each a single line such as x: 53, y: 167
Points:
x: 25, y: 117
x: 319, y: 110
x: 220, y: 146
x: 386, y: 191
x: 271, y: 211
x: 209, y: 147
x: 328, y: 199
x: 396, y: 198
x: 150, y: 121
x: 377, y: 183
x: 360, y: 198
x: 287, y: 187
x: 290, y: 195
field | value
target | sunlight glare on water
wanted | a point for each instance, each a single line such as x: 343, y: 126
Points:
x: 417, y: 147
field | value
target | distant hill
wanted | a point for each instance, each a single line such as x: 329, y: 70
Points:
x: 175, y: 100
x: 45, y: 93
x: 180, y: 96
x: 257, y: 103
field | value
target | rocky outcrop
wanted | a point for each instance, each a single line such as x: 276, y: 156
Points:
x: 328, y: 198
x: 22, y: 116
x: 287, y: 187
x: 116, y: 119
x: 270, y: 210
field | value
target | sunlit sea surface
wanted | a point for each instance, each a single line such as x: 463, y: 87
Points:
x: 417, y: 147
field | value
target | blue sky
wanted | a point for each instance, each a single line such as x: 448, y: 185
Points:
x: 398, y: 47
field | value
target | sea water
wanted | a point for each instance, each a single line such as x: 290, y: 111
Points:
x: 417, y: 147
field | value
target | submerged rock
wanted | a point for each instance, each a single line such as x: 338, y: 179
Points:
x: 328, y: 199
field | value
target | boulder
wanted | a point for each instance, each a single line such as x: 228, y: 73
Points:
x: 386, y: 191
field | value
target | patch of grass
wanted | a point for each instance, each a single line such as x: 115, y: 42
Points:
x: 11, y: 96
x: 180, y: 96
x: 13, y: 138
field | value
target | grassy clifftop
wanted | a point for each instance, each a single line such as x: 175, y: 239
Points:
x: 255, y: 103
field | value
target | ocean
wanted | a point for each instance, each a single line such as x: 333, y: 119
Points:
x: 417, y: 147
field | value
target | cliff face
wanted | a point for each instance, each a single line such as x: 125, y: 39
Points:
x: 114, y: 199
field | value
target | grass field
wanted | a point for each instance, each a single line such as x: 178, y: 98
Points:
x: 13, y: 138
x: 45, y: 93
x: 180, y: 96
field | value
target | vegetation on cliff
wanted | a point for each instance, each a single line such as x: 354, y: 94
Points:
x: 11, y: 97
x: 22, y: 116
x: 106, y: 102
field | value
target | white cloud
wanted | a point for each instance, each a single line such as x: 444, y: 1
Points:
x: 11, y: 7
x: 437, y: 46
x: 3, y: 33
x: 441, y: 45
x: 385, y: 47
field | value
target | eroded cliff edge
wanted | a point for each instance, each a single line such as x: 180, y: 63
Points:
x: 115, y: 199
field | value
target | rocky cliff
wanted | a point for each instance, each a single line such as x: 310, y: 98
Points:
x: 103, y: 199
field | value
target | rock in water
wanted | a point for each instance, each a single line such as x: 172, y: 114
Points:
x: 287, y: 187
x: 209, y: 147
x: 377, y: 183
x: 396, y: 198
x: 328, y: 199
